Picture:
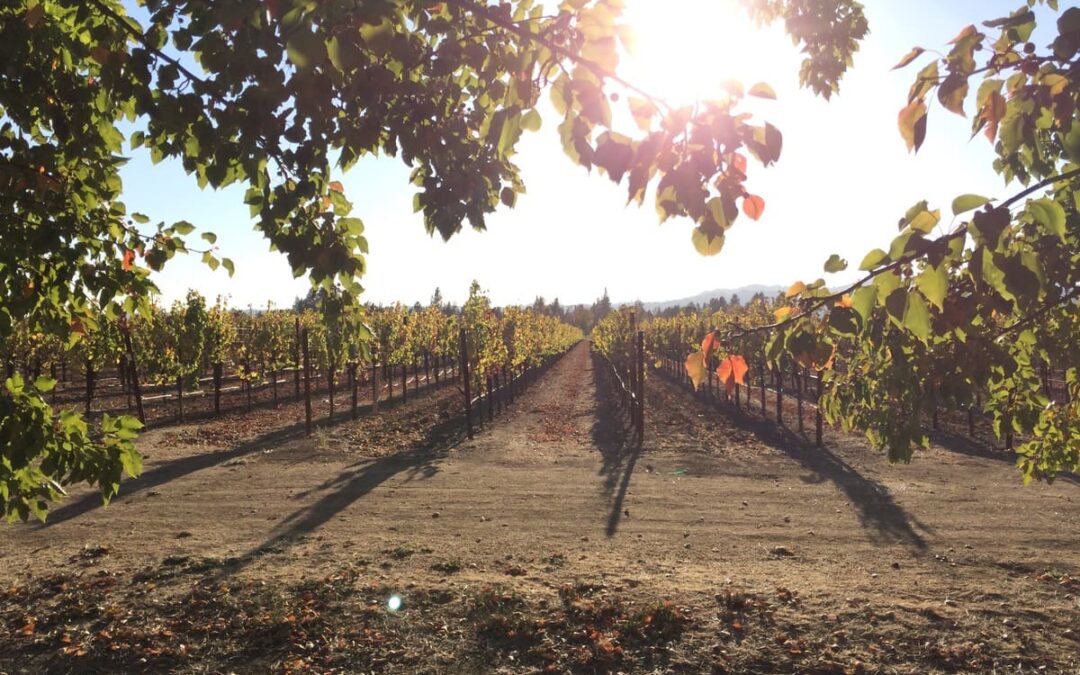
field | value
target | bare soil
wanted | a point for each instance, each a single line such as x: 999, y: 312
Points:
x: 548, y: 543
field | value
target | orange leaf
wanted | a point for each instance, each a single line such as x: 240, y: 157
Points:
x: 732, y: 371
x: 844, y: 301
x: 711, y: 343
x: 336, y: 186
x: 129, y: 258
x: 753, y: 206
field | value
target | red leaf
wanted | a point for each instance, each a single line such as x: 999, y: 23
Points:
x: 129, y: 258
x: 753, y: 206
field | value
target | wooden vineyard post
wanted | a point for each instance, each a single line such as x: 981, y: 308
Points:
x: 307, y: 381
x: 640, y: 387
x: 427, y: 370
x: 798, y: 393
x: 490, y: 400
x: 818, y: 421
x: 89, y: 384
x: 761, y: 371
x: 934, y: 414
x: 296, y: 360
x: 779, y: 376
x: 971, y: 416
x: 463, y: 354
x: 353, y: 385
x: 217, y: 389
x: 374, y: 386
x: 180, y: 397
x: 509, y: 380
x: 134, y: 374
x: 330, y: 384
x: 498, y: 391
x: 404, y: 382
x: 438, y: 367
x: 416, y: 374
x: 388, y: 371
x: 127, y: 380
x: 247, y: 382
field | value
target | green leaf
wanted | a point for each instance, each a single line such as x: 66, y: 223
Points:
x: 873, y: 259
x: 835, y: 264
x: 965, y: 203
x: 952, y: 92
x: 183, y: 227
x: 917, y: 317
x: 44, y: 384
x: 531, y: 121
x: 1049, y: 214
x: 228, y: 265
x: 210, y: 237
x: 863, y: 301
x: 306, y: 49
x: 933, y: 282
x: 140, y: 218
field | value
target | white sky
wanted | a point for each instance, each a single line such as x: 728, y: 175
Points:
x: 842, y: 182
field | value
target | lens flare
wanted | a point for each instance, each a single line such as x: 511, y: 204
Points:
x: 394, y: 603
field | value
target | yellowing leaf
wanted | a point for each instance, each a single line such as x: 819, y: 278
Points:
x: 797, y: 288
x: 926, y: 221
x: 695, y: 368
x: 912, y: 123
x: 915, y: 53
x: 762, y: 90
x: 705, y: 244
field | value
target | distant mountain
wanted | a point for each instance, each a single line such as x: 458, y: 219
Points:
x: 744, y: 293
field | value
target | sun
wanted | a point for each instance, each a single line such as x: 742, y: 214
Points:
x: 685, y: 49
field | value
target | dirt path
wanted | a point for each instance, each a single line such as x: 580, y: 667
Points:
x: 785, y: 555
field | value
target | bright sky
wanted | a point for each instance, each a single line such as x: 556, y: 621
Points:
x: 842, y: 183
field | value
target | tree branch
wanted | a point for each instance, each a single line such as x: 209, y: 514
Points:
x: 959, y: 232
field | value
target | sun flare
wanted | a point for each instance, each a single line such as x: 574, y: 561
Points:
x: 684, y: 49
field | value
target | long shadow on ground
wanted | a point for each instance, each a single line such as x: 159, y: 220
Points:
x: 878, y: 512
x: 352, y: 484
x: 613, y: 438
x: 963, y: 445
x: 184, y: 466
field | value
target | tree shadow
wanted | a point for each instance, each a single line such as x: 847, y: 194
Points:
x: 352, y: 484
x: 878, y: 512
x: 183, y: 466
x: 963, y: 445
x: 613, y: 437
